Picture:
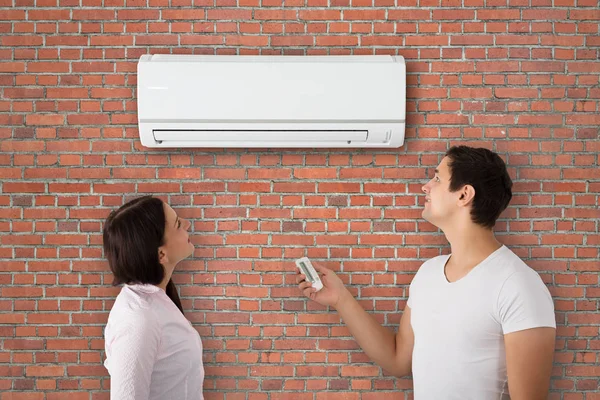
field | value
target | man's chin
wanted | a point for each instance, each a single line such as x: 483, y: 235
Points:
x: 427, y: 217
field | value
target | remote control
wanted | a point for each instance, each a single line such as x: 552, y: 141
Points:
x: 309, y: 271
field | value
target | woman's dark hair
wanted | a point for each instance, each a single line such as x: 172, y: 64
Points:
x: 486, y: 172
x: 132, y: 235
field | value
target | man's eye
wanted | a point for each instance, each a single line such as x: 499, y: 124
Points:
x: 179, y: 224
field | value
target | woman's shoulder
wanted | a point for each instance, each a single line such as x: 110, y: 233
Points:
x: 138, y: 296
x: 135, y: 307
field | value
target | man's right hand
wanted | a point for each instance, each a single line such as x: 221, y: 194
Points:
x: 333, y: 294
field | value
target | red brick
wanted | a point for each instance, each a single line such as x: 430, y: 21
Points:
x: 45, y: 370
x: 22, y: 396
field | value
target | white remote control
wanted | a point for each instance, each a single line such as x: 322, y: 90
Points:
x: 309, y: 271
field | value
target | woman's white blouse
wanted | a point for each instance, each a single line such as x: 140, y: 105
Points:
x: 152, y: 350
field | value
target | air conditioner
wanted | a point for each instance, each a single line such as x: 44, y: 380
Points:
x: 271, y: 101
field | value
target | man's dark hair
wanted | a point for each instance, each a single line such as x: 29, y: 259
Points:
x: 486, y: 172
x: 131, y: 237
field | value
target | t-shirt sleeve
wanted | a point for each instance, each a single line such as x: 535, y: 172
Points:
x: 421, y: 277
x: 132, y: 347
x: 524, y: 302
x: 412, y: 288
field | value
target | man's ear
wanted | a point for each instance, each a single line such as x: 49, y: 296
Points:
x: 466, y: 195
x: 162, y: 255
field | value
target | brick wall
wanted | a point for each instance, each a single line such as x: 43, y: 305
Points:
x: 521, y: 78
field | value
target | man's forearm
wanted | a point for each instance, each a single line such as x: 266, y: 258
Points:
x: 378, y: 342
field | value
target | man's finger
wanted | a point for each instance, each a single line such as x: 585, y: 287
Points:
x: 321, y: 269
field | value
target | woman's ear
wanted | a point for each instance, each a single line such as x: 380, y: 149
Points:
x: 162, y: 255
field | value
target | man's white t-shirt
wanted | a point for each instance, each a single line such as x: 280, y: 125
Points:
x: 459, y: 327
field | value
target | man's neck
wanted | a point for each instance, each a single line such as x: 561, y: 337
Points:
x: 470, y: 244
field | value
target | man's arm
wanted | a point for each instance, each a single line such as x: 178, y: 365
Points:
x: 529, y: 355
x: 391, y: 352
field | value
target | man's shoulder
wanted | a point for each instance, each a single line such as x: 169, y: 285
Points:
x: 507, y: 263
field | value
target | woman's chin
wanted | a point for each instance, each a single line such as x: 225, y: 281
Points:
x: 192, y: 248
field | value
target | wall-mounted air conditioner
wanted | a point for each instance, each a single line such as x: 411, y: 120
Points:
x: 271, y: 101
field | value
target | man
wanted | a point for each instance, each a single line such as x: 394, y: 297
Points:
x: 478, y: 322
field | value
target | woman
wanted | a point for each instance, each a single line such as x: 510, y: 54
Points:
x: 152, y: 350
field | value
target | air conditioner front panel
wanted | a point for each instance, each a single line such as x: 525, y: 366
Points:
x: 261, y: 89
